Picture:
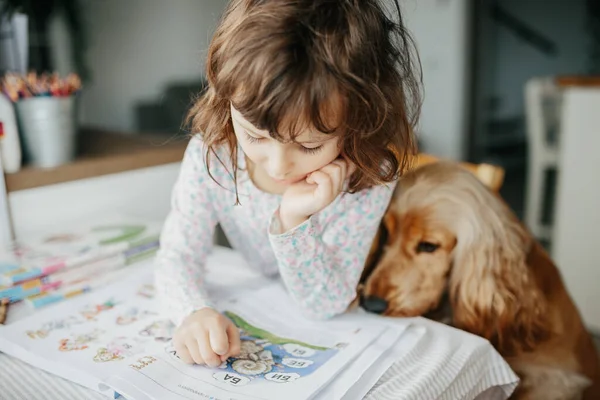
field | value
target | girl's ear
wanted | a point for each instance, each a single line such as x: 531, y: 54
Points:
x: 492, y: 288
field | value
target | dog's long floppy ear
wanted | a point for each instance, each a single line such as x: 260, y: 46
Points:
x: 385, y: 233
x: 492, y: 289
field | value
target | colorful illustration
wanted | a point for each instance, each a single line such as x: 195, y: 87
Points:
x: 79, y: 342
x: 264, y: 355
x: 161, y: 330
x: 122, y: 233
x: 133, y: 314
x: 50, y: 326
x: 148, y: 291
x: 118, y: 349
x: 63, y: 238
x: 142, y: 362
x: 253, y: 359
x: 92, y: 310
x: 105, y: 355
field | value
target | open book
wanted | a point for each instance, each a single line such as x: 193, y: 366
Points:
x: 114, y: 341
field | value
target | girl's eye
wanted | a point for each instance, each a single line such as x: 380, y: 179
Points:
x: 252, y: 139
x: 311, y: 150
x: 308, y: 150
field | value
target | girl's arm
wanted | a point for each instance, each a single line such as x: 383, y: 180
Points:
x: 321, y: 260
x: 186, y: 239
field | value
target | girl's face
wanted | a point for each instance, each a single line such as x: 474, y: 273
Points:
x: 284, y: 163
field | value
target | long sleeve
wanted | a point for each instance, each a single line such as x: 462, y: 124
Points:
x: 321, y: 260
x: 186, y: 239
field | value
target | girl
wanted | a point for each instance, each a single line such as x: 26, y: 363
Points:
x: 303, y: 130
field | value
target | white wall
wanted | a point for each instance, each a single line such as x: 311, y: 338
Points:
x: 440, y: 29
x: 136, y: 48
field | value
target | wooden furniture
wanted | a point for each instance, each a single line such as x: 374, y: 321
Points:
x: 492, y: 176
x: 102, y: 153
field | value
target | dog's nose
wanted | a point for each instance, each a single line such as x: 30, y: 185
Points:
x: 374, y: 304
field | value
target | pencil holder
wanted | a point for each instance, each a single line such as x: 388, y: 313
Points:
x: 49, y: 129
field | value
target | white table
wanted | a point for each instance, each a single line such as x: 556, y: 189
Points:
x: 432, y: 361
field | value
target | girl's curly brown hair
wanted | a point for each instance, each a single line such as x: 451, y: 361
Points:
x: 297, y: 60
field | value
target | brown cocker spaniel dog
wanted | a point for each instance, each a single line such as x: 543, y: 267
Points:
x: 450, y: 249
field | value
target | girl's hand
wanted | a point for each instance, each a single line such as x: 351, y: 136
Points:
x: 206, y: 337
x: 305, y: 198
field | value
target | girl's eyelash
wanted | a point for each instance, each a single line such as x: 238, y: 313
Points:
x: 308, y: 150
x: 313, y: 150
x: 252, y: 139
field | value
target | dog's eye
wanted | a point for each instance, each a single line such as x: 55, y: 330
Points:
x: 427, y: 247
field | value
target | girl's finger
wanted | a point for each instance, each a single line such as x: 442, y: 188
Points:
x: 336, y: 171
x: 218, y: 339
x: 234, y: 342
x: 192, y: 347
x: 182, y: 352
x: 324, y: 184
x: 210, y: 358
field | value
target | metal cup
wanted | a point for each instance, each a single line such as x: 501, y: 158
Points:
x: 49, y: 129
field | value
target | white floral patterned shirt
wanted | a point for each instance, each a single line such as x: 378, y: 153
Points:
x: 320, y: 261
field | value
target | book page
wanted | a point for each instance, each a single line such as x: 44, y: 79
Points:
x: 84, y: 339
x: 89, y: 337
x: 282, y: 356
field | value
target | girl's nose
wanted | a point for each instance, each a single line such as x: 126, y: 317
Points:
x: 279, y: 163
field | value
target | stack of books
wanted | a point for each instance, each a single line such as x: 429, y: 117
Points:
x: 74, y: 260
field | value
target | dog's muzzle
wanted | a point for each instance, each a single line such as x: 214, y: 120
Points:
x: 373, y: 304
